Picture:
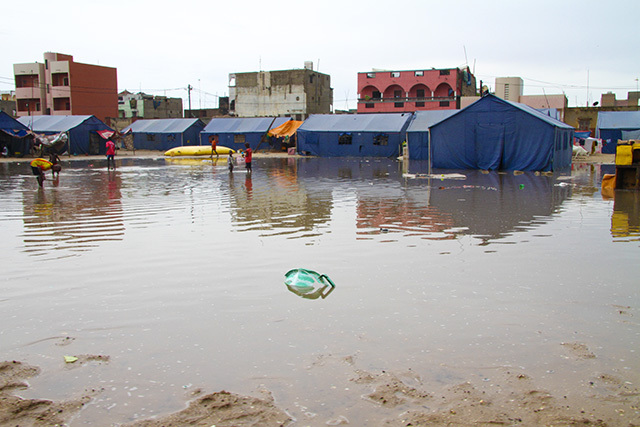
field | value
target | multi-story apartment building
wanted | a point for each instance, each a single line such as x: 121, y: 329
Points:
x: 143, y: 106
x: 287, y: 93
x: 61, y: 86
x: 407, y: 91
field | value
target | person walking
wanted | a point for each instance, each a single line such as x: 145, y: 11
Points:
x: 213, y: 139
x: 248, y: 154
x: 111, y: 153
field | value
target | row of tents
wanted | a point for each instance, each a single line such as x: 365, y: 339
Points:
x: 489, y: 134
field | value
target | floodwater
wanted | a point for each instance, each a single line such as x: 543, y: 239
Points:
x: 175, y: 269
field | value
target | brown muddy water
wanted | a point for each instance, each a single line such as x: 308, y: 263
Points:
x: 175, y: 269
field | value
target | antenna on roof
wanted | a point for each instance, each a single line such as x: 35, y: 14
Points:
x: 466, y: 61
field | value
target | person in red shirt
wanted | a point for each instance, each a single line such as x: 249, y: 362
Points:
x: 247, y: 156
x: 213, y: 139
x: 111, y: 152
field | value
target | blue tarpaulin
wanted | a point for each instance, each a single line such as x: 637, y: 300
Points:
x: 164, y: 134
x: 494, y: 134
x: 418, y: 131
x: 236, y: 131
x: 82, y: 131
x: 360, y: 135
x: 13, y: 135
x: 611, y: 124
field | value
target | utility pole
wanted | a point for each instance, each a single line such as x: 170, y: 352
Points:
x: 189, y: 87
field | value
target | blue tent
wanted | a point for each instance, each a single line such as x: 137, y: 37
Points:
x: 82, y: 131
x: 14, y: 135
x: 360, y: 135
x: 236, y: 131
x: 494, y: 134
x: 164, y: 134
x: 418, y: 131
x: 611, y: 126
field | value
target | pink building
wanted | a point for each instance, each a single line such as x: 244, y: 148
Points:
x: 408, y: 91
x: 62, y: 86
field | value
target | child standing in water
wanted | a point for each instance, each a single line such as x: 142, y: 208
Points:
x: 230, y: 161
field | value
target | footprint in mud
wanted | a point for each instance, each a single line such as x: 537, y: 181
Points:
x: 579, y: 350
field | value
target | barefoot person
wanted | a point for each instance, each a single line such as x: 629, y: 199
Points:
x: 111, y: 152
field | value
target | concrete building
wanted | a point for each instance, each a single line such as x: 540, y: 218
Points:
x: 286, y: 93
x: 509, y: 88
x: 8, y: 103
x: 382, y: 91
x: 609, y: 100
x: 143, y: 106
x: 61, y: 86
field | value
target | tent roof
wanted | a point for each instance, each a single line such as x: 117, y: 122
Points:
x: 56, y: 123
x: 381, y: 122
x: 619, y: 120
x: 161, y: 125
x: 423, y: 120
x: 244, y: 124
x: 286, y: 129
x: 9, y: 123
x: 525, y: 108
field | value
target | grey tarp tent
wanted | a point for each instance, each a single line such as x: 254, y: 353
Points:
x: 234, y: 132
x: 164, y: 134
x: 494, y: 134
x: 82, y: 131
x: 14, y: 135
x: 359, y: 135
x: 612, y: 124
x: 418, y: 131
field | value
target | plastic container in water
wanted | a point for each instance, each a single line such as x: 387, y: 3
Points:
x: 306, y: 279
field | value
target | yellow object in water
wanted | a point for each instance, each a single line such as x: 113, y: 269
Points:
x: 41, y: 163
x: 197, y: 150
x: 624, y: 154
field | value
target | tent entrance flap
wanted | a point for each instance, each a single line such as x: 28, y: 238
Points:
x: 489, y: 146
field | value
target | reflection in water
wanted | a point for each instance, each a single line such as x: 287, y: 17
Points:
x: 625, y: 220
x: 83, y: 209
x: 312, y: 293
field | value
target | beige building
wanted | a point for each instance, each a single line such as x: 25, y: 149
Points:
x: 509, y: 88
x: 286, y: 93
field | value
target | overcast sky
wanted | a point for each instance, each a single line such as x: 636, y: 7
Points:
x: 582, y: 48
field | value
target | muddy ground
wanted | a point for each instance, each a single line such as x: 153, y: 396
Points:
x: 510, y: 398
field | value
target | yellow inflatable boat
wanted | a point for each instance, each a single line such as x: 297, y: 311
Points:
x: 197, y: 150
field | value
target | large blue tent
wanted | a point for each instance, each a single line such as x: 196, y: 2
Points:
x: 359, y: 135
x: 615, y: 125
x: 14, y: 135
x: 164, y: 134
x: 418, y: 131
x: 81, y: 130
x: 494, y: 134
x: 234, y: 132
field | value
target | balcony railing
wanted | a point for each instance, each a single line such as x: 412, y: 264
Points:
x: 408, y: 99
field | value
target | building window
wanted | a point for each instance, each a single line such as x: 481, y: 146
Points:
x: 376, y: 94
x: 171, y: 137
x: 418, y: 73
x: 420, y: 93
x: 345, y: 139
x: 444, y: 72
x: 420, y: 104
x: 444, y: 103
x: 151, y: 137
x: 371, y: 75
x: 395, y: 74
x: 397, y: 93
x: 369, y: 105
x: 381, y: 139
x: 239, y: 138
x: 584, y: 124
x: 311, y: 78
